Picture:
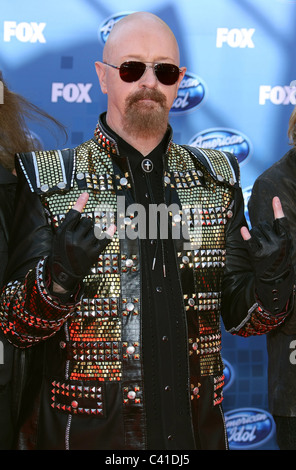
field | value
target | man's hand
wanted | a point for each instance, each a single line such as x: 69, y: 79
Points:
x: 75, y: 248
x: 278, y: 214
x: 269, y: 247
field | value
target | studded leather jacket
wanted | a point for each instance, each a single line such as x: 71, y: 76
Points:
x: 86, y: 390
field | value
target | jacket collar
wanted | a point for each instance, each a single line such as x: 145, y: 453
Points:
x: 107, y: 138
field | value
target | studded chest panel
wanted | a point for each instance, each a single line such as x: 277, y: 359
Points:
x: 94, y: 334
x: 206, y: 205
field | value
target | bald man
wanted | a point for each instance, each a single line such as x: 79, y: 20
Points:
x: 126, y: 251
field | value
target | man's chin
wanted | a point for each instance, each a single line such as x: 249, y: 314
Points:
x: 145, y: 117
x: 144, y: 126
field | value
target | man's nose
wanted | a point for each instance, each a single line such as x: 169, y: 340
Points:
x: 149, y: 78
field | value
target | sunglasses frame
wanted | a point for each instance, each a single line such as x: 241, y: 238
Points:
x: 152, y: 66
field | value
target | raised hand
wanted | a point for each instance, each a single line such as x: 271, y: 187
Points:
x: 278, y: 214
x: 75, y: 248
x: 269, y: 247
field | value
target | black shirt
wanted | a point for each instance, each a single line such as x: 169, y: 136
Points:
x: 166, y: 387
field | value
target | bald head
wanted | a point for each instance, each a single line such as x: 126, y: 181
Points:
x: 138, y: 109
x: 137, y: 26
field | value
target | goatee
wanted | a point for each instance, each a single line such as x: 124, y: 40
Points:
x: 143, y: 118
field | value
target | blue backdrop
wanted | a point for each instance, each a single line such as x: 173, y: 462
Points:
x: 237, y: 95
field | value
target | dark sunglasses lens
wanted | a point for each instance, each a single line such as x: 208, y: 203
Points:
x: 167, y: 74
x: 131, y: 71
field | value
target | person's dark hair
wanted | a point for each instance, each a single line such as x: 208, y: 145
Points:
x: 292, y: 128
x: 15, y: 136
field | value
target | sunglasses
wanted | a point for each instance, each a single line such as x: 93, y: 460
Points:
x: 132, y: 71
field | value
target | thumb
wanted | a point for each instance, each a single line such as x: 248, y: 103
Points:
x: 81, y: 202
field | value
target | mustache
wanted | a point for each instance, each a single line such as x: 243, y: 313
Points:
x: 154, y: 95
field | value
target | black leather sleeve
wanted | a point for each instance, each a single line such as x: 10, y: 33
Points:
x: 238, y: 291
x: 31, y: 236
x: 28, y: 312
x: 277, y: 181
x: 241, y: 309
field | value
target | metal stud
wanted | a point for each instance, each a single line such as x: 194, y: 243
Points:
x: 123, y: 181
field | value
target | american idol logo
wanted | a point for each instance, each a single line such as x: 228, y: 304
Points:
x: 191, y: 92
x: 228, y: 374
x: 227, y: 140
x: 108, y: 24
x: 248, y: 428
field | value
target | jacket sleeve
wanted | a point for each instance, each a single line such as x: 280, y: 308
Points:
x: 242, y: 312
x: 28, y: 313
x: 277, y: 181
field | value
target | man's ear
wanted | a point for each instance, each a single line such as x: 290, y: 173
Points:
x: 181, y: 76
x: 101, y: 73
